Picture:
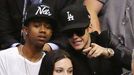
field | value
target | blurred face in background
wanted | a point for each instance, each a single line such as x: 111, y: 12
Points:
x: 63, y: 67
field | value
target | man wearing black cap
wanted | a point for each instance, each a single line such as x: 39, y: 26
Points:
x: 89, y: 58
x: 11, y: 15
x: 37, y: 30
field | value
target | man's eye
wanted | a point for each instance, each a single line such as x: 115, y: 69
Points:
x: 36, y: 25
x: 48, y: 26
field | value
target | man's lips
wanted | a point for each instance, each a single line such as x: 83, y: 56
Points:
x: 42, y: 38
x: 77, y: 42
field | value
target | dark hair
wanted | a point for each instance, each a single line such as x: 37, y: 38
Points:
x: 49, y: 60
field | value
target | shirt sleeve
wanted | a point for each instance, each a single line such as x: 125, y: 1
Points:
x: 103, y: 1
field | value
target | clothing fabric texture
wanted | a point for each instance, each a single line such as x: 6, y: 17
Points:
x: 100, y: 66
x: 96, y: 66
x: 118, y: 17
x: 122, y: 54
x: 12, y: 63
x: 81, y: 63
x: 10, y: 22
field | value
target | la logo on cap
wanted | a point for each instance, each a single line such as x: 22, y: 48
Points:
x: 43, y: 10
x: 70, y: 17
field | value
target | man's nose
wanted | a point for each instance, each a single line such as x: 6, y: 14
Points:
x: 74, y: 35
x: 43, y: 28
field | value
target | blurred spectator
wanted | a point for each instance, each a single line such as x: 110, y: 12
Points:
x: 117, y: 17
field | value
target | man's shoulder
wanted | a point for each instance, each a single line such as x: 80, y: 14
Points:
x: 8, y: 51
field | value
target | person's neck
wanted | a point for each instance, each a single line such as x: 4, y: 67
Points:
x: 88, y: 44
x: 31, y: 53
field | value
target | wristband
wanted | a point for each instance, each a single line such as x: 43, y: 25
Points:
x: 15, y: 44
x: 53, y: 46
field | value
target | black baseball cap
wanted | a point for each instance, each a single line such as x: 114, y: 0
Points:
x: 37, y: 11
x: 74, y: 16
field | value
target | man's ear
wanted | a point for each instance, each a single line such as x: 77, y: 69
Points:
x: 24, y: 31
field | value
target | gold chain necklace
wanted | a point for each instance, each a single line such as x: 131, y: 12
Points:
x: 26, y: 67
x: 27, y: 70
x: 25, y: 63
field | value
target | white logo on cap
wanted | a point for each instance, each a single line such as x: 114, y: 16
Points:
x: 43, y: 9
x: 70, y: 16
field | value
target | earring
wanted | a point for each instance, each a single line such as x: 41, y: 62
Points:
x: 25, y: 33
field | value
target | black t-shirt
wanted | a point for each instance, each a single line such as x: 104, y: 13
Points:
x: 80, y: 62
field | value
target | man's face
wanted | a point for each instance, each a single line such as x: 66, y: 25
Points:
x: 38, y: 32
x: 79, y: 38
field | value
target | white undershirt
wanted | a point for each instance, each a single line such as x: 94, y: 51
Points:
x: 12, y: 63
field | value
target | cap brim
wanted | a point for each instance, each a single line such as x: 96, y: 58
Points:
x: 52, y: 20
x: 75, y: 26
x: 39, y: 16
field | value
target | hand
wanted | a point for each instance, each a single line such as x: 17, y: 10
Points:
x: 95, y: 51
x: 47, y: 47
x: 50, y: 46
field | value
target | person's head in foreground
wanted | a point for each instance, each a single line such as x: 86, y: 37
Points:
x: 57, y: 62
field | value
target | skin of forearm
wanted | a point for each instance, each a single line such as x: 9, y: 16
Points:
x: 94, y: 7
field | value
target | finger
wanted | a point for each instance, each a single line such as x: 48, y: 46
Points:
x: 85, y: 51
x: 93, y: 44
x: 96, y: 54
x: 90, y: 53
x: 93, y: 49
